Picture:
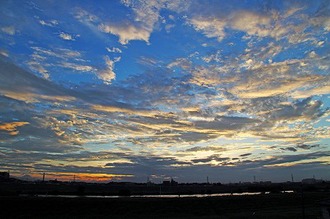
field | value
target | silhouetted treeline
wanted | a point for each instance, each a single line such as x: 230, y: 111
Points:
x: 17, y: 187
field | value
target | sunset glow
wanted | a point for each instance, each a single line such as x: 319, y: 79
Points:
x: 127, y: 90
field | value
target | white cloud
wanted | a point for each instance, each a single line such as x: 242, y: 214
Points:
x: 216, y: 57
x: 126, y: 32
x: 113, y: 50
x: 168, y: 27
x: 65, y: 58
x: 249, y: 22
x: 252, y: 23
x: 147, y: 14
x: 9, y: 30
x: 4, y: 53
x: 51, y: 23
x: 77, y: 67
x: 181, y: 62
x: 66, y: 36
x: 273, y: 24
x: 211, y: 27
x: 36, y: 66
x: 108, y: 74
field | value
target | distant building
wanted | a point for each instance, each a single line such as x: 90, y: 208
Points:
x: 174, y: 183
x: 170, y: 183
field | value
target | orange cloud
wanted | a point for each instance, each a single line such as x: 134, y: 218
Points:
x: 11, y: 127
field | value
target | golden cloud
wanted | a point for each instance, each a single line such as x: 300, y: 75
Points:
x: 11, y: 127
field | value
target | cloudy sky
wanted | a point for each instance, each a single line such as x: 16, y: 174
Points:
x: 130, y: 89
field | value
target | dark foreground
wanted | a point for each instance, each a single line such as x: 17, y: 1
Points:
x: 258, y: 206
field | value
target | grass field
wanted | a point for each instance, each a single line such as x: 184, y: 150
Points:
x: 259, y: 206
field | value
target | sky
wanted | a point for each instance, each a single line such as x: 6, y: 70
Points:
x: 133, y: 90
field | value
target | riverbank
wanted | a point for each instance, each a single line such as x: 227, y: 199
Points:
x: 286, y: 205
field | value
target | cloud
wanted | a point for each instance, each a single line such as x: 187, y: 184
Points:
x: 147, y: 14
x: 211, y: 27
x: 36, y: 66
x: 107, y: 75
x: 226, y: 123
x: 124, y: 29
x: 11, y: 127
x: 277, y: 24
x: 257, y: 90
x: 10, y: 30
x: 115, y: 109
x: 126, y: 32
x: 251, y: 23
x: 43, y: 59
x: 306, y: 110
x: 4, y: 53
x: 183, y: 63
x: 28, y: 87
x: 77, y: 67
x: 113, y: 50
x: 41, y: 54
x: 235, y: 106
x: 34, y: 97
x: 320, y: 89
x: 263, y: 83
x: 50, y: 23
x: 208, y: 148
x: 212, y: 160
x: 323, y: 21
x: 294, y: 160
x: 66, y: 36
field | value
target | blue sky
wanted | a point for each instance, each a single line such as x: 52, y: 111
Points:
x: 125, y: 90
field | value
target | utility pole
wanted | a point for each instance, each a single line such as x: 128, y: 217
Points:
x: 43, y: 177
x: 291, y: 177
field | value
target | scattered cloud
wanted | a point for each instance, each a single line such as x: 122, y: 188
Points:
x: 275, y: 24
x: 77, y: 67
x: 209, y: 88
x: 113, y: 50
x: 37, y: 67
x: 10, y: 30
x: 50, y: 23
x: 66, y: 36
